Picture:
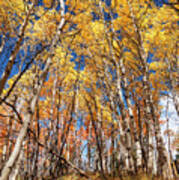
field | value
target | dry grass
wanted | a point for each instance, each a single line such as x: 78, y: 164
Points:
x: 98, y: 177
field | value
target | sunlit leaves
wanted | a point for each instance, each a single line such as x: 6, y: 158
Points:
x: 157, y: 66
x: 45, y: 26
x: 9, y: 9
x: 47, y: 3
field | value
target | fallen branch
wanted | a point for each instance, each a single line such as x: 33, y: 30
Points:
x: 80, y: 171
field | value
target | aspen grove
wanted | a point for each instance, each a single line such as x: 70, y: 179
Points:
x: 80, y: 88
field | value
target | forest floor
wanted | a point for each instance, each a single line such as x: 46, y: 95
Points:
x: 97, y: 177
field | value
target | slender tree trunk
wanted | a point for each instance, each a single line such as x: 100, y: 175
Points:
x: 97, y: 139
x: 89, y: 145
x: 141, y: 137
x: 113, y: 152
x: 137, y: 148
x: 15, y: 171
x: 2, y: 43
x: 35, y: 162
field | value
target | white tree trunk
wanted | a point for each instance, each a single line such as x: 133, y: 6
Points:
x: 15, y: 171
